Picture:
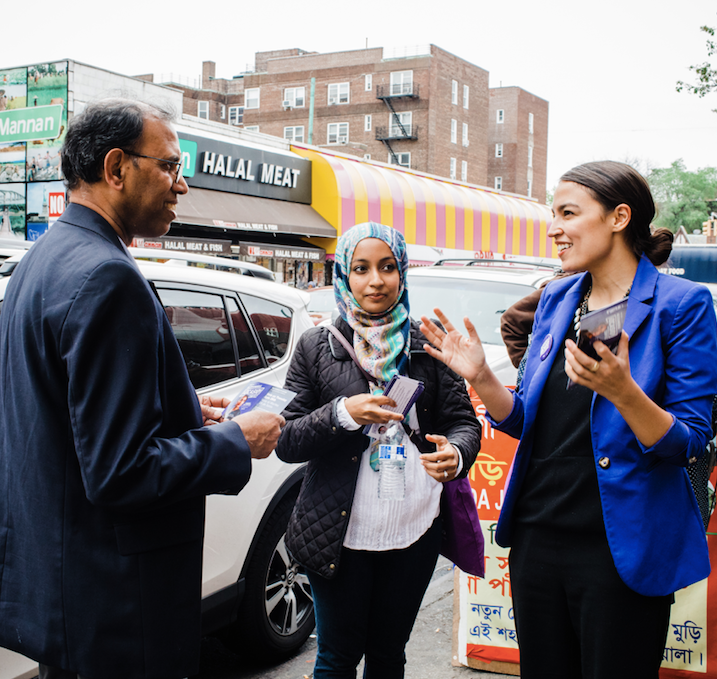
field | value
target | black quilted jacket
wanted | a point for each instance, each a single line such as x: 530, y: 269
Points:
x: 321, y: 372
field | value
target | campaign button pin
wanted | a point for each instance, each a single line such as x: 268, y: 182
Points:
x: 546, y: 347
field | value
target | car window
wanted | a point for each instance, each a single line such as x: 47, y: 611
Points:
x: 199, y: 321
x: 273, y: 325
x: 482, y: 301
x: 249, y: 354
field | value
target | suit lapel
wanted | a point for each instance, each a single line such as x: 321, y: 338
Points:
x: 642, y: 292
x: 562, y: 315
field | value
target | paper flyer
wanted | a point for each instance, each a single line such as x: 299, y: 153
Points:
x: 259, y: 396
x: 603, y: 324
x: 405, y: 392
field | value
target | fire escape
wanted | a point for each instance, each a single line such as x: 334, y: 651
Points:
x: 396, y: 131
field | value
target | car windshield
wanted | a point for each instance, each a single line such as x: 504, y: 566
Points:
x: 321, y: 300
x: 482, y: 301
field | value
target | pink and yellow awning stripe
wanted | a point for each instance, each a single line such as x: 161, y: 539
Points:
x: 428, y: 210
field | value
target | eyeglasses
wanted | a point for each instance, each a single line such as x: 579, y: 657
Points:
x: 178, y: 163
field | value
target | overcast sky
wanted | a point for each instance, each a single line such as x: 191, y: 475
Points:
x: 608, y: 68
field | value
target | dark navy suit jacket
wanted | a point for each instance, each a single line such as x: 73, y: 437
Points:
x: 653, y: 524
x: 104, y: 464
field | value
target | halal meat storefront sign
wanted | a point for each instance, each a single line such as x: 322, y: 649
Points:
x: 30, y: 124
x: 223, y: 166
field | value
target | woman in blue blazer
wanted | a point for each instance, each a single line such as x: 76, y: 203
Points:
x: 599, y: 512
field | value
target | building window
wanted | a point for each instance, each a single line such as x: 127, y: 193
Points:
x: 222, y: 112
x: 368, y: 82
x: 338, y: 133
x: 499, y: 116
x: 453, y: 168
x: 454, y: 131
x: 498, y: 183
x: 203, y: 109
x: 530, y: 123
x: 236, y: 115
x: 464, y: 170
x: 454, y: 91
x: 252, y: 128
x: 465, y: 96
x: 530, y: 156
x: 251, y: 97
x: 295, y: 133
x: 530, y: 188
x: 499, y: 150
x: 401, y: 82
x: 294, y: 97
x: 406, y: 118
x: 367, y: 123
x: 465, y: 134
x: 338, y: 94
x: 404, y: 159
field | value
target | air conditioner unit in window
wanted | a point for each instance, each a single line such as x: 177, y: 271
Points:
x: 286, y: 103
x: 343, y: 140
x: 333, y: 101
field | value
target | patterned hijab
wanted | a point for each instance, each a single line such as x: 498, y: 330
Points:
x: 380, y: 340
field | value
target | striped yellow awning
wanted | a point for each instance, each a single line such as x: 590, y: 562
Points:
x: 427, y: 210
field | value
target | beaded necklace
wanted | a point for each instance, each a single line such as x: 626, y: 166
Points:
x: 583, y: 309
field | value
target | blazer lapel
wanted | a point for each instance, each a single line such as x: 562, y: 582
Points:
x: 562, y: 315
x: 642, y: 292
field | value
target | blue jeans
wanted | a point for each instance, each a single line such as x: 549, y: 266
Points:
x: 369, y: 607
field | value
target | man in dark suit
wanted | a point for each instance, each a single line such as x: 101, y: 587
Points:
x: 104, y: 462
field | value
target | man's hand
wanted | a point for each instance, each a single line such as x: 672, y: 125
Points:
x: 261, y: 431
x: 212, y: 408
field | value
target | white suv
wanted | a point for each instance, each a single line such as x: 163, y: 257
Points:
x: 481, y: 289
x: 232, y: 330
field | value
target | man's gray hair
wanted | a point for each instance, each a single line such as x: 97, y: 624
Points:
x: 101, y: 127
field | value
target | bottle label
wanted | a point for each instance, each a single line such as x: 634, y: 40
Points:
x: 391, y: 452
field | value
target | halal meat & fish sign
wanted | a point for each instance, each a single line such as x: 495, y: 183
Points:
x: 31, y: 124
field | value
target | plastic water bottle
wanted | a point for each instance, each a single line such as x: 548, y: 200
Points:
x: 392, y: 464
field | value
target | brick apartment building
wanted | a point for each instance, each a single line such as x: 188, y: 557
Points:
x: 422, y: 108
x: 517, y: 141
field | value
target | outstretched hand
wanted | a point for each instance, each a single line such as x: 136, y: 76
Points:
x: 462, y: 354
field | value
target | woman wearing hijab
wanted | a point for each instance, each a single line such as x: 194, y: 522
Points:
x: 599, y: 512
x: 369, y: 561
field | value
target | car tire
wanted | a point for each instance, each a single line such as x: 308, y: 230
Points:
x: 276, y: 615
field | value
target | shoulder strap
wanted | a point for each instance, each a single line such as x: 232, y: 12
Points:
x: 350, y: 350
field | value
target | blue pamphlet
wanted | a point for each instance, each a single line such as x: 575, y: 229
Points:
x: 259, y: 396
x: 405, y: 392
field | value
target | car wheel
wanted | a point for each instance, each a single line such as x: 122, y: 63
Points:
x: 277, y: 612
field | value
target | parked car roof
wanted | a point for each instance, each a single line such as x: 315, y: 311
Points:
x: 206, y: 261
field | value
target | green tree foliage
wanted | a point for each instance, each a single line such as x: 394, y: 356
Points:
x: 706, y: 75
x: 683, y: 198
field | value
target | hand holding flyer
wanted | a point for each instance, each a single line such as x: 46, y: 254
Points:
x: 604, y: 325
x: 259, y: 396
x: 405, y: 392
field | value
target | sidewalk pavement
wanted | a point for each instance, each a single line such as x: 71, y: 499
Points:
x: 428, y: 653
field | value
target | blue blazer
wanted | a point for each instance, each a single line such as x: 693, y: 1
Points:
x: 653, y: 524
x: 104, y: 464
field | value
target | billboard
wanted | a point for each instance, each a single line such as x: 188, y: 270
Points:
x: 12, y: 211
x: 33, y: 122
